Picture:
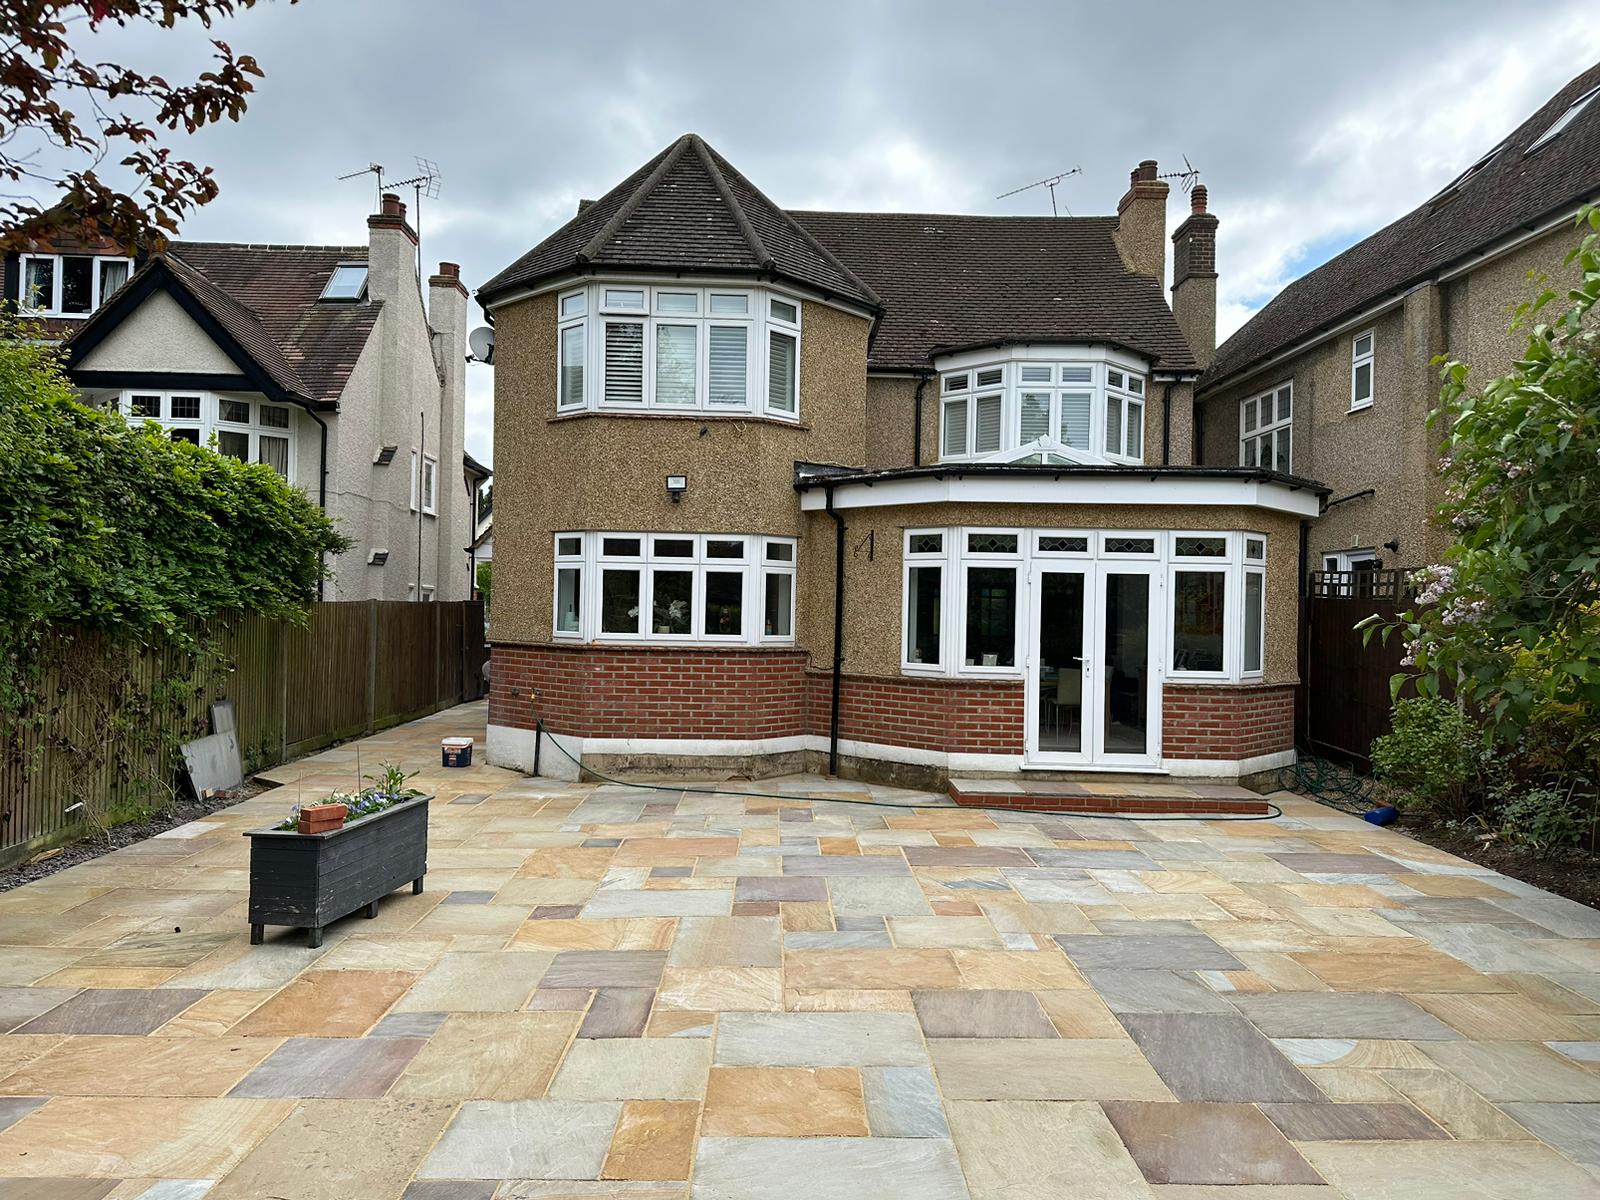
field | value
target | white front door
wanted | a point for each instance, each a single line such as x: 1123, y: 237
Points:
x: 1094, y: 688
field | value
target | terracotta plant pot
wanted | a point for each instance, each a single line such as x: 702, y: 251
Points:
x: 320, y: 818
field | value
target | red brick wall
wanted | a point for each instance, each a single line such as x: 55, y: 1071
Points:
x: 742, y: 693
x: 651, y: 692
x: 1226, y: 721
x: 952, y: 715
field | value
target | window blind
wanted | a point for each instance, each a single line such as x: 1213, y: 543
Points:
x: 730, y: 351
x: 572, y: 366
x: 624, y: 362
x: 1075, y: 420
x: 780, y: 371
x: 955, y: 427
x: 1035, y: 416
x: 986, y: 435
x: 1113, y: 425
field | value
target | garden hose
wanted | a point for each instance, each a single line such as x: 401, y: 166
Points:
x: 1272, y: 815
x: 1328, y: 782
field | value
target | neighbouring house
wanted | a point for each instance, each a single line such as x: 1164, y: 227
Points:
x: 481, y: 548
x: 61, y: 282
x: 896, y: 495
x: 325, y: 363
x: 1334, y: 378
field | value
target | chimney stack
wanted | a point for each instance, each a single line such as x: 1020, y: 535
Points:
x: 1194, y: 278
x: 1142, y: 222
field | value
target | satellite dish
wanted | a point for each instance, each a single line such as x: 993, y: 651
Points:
x: 481, y: 342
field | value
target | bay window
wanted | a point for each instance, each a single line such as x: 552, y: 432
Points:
x: 1087, y: 411
x: 246, y: 429
x: 70, y: 285
x: 700, y: 588
x: 678, y: 349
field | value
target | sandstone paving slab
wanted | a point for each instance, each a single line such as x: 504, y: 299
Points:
x: 242, y: 967
x: 1557, y: 914
x: 1452, y: 1105
x: 623, y: 902
x: 476, y: 981
x: 722, y: 989
x: 654, y: 1141
x: 1505, y: 1017
x: 1147, y: 991
x: 832, y: 1168
x: 726, y: 942
x: 1415, y: 970
x: 618, y: 1012
x: 877, y: 897
x: 1224, y: 1144
x: 1037, y: 1069
x: 838, y: 940
x: 604, y: 968
x: 150, y: 1066
x: 813, y: 970
x: 408, y: 1024
x: 1516, y: 1071
x: 1332, y: 863
x: 1352, y: 1122
x: 330, y: 1069
x: 18, y: 1005
x: 633, y: 1069
x: 1095, y: 860
x: 903, y: 1102
x: 128, y: 1138
x: 945, y: 932
x: 1011, y: 969
x: 1194, y: 952
x: 819, y: 1039
x: 1449, y: 1171
x: 784, y: 1102
x: 524, y: 1139
x: 451, y: 1189
x: 14, y: 1108
x: 1204, y: 1056
x: 327, y: 1004
x: 1033, y: 1150
x: 114, y: 1011
x: 981, y: 1013
x: 1573, y: 1129
x: 797, y: 887
x: 1341, y: 1015
x: 312, y: 1156
x: 488, y: 1056
x: 845, y: 865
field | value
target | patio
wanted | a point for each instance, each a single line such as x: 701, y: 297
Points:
x: 655, y: 995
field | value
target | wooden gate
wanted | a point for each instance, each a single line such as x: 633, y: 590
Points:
x: 1343, y: 702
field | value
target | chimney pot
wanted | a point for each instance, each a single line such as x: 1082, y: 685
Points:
x: 1197, y: 198
x: 393, y: 206
x: 450, y: 270
x: 1144, y: 172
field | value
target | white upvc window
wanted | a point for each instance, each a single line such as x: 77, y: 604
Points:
x: 426, y: 484
x: 1363, y: 348
x: 963, y: 611
x: 698, y: 588
x: 678, y: 349
x: 70, y: 285
x: 1090, y: 410
x: 248, y: 429
x: 1266, y: 429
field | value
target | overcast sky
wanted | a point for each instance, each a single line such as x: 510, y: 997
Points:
x: 1312, y: 124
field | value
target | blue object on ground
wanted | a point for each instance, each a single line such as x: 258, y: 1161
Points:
x: 1387, y: 815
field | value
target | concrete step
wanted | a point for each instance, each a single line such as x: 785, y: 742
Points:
x: 1125, y: 796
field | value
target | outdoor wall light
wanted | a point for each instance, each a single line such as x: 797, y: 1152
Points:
x: 677, y: 485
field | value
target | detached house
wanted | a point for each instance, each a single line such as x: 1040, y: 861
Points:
x: 884, y: 494
x: 1334, y: 377
x: 322, y: 362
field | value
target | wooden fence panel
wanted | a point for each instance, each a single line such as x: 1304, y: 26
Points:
x: 354, y: 666
x: 327, y: 675
x: 1344, y: 683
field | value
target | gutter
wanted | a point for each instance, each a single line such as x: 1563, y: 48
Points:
x: 916, y: 422
x: 322, y: 494
x: 1166, y: 424
x: 838, y: 635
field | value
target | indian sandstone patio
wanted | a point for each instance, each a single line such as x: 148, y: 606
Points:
x: 654, y: 995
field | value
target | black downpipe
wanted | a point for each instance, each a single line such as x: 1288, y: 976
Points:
x: 322, y: 493
x: 916, y: 424
x: 838, y: 635
x: 1166, y: 424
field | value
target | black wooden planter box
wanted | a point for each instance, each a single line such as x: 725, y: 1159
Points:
x: 310, y: 880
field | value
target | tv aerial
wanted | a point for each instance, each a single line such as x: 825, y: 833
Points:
x: 424, y: 184
x: 1188, y: 177
x: 1046, y: 183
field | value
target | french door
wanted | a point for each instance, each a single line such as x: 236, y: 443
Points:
x: 1093, y: 690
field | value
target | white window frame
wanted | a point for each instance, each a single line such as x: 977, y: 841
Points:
x: 58, y: 279
x: 208, y: 424
x: 592, y: 308
x: 1368, y: 360
x: 753, y: 567
x: 953, y: 559
x: 1279, y: 427
x: 959, y: 382
x: 430, y: 485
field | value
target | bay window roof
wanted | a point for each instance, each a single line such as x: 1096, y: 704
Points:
x: 686, y: 210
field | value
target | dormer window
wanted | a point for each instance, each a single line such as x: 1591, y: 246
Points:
x: 1032, y: 409
x: 625, y: 346
x: 348, y: 282
x: 70, y: 285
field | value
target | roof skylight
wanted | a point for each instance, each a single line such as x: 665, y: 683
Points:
x: 348, y: 282
x: 1566, y: 118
